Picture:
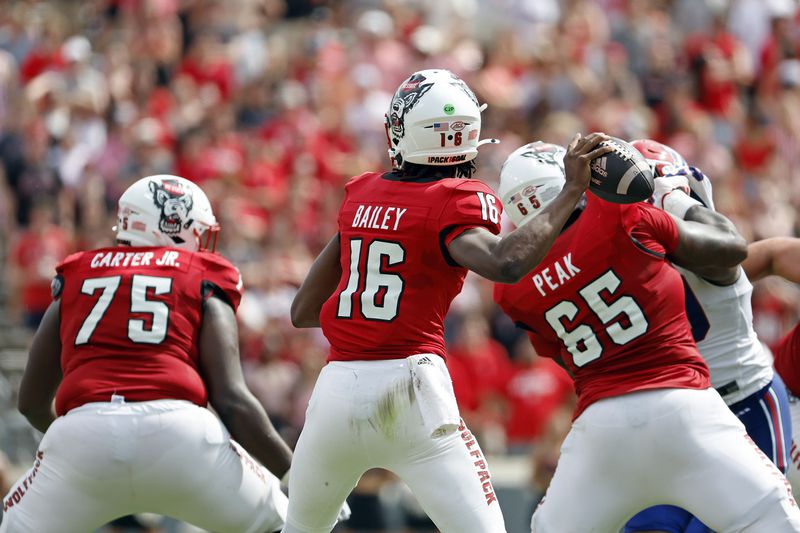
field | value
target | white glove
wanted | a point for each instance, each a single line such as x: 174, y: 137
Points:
x: 344, y: 513
x: 672, y: 195
x: 667, y: 184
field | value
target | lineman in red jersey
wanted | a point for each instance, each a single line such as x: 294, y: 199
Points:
x: 648, y: 428
x: 139, y: 339
x: 381, y: 289
x: 780, y: 256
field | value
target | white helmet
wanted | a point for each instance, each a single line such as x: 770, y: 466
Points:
x: 434, y: 119
x: 165, y: 210
x: 531, y: 177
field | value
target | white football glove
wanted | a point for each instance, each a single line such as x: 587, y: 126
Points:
x: 672, y: 195
x: 667, y: 184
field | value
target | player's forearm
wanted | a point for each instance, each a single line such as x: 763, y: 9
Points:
x: 521, y: 250
x: 707, y: 239
x: 786, y: 261
x: 707, y: 217
x: 714, y: 251
x: 779, y: 256
x: 250, y: 426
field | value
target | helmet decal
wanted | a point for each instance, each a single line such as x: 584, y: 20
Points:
x: 175, y: 202
x: 404, y: 101
x: 544, y: 153
x: 458, y: 82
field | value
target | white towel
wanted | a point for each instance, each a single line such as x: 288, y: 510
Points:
x: 434, y: 392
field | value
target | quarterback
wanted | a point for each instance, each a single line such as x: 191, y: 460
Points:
x: 648, y: 427
x: 138, y: 340
x: 380, y: 291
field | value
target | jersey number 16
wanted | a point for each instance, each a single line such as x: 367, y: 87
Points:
x: 381, y: 291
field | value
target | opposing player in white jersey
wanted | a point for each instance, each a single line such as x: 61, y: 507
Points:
x: 719, y: 311
x: 780, y: 256
x: 139, y: 339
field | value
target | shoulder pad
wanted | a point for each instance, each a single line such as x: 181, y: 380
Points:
x: 359, y: 178
x: 220, y: 273
x: 69, y: 260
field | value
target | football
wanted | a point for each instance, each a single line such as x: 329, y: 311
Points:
x: 622, y: 176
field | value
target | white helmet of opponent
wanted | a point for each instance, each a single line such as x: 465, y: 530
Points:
x: 434, y: 119
x: 166, y: 210
x: 531, y: 177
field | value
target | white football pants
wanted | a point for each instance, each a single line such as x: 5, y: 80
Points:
x: 169, y: 457
x: 364, y: 415
x: 669, y: 446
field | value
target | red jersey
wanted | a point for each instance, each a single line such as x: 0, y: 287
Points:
x: 787, y: 360
x: 607, y: 301
x: 130, y: 320
x: 397, y: 277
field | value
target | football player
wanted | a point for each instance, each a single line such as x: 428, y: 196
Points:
x: 780, y: 256
x: 139, y: 338
x: 380, y: 291
x: 648, y: 427
x: 721, y: 317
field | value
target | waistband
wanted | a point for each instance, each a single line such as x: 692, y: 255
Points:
x: 118, y: 404
x: 752, y: 397
x: 734, y: 393
x: 376, y: 365
x: 728, y: 388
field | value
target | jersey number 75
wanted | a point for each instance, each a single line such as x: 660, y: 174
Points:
x: 138, y: 331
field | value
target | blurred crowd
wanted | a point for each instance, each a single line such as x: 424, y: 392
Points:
x: 272, y: 105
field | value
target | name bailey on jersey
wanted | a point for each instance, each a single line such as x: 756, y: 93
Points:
x: 378, y: 217
x: 125, y: 259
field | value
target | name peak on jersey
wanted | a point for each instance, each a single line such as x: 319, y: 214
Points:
x: 564, y: 271
x: 125, y: 259
x: 378, y: 217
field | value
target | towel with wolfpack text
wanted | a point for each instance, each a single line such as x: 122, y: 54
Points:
x: 607, y: 302
x: 397, y: 277
x: 130, y: 320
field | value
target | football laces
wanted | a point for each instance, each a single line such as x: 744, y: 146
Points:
x: 620, y: 149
